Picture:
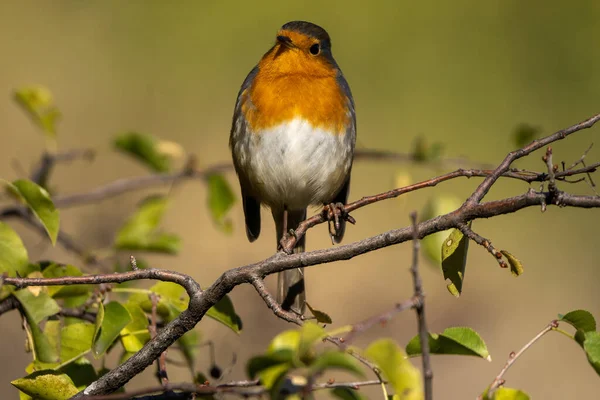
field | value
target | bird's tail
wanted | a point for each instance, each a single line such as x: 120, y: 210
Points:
x: 290, y: 284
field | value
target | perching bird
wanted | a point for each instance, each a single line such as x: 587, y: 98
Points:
x: 292, y: 140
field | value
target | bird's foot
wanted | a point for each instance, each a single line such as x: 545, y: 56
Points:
x: 283, y: 243
x: 334, y: 213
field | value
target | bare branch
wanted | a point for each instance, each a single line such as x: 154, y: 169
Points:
x: 499, y: 381
x: 419, y: 306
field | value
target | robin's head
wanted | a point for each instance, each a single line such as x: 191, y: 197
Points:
x: 301, y: 47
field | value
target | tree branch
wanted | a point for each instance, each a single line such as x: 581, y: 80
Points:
x: 201, y: 301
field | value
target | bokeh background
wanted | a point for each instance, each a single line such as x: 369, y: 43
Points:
x: 464, y: 73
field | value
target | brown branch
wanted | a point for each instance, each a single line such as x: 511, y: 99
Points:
x: 487, y: 183
x: 241, y: 388
x: 498, y: 380
x: 480, y: 240
x: 419, y: 297
x: 201, y: 301
x: 162, y: 363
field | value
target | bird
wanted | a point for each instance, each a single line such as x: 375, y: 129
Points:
x: 292, y: 141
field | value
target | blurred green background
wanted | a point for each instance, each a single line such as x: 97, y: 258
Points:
x: 461, y: 72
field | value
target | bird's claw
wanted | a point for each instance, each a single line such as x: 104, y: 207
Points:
x: 336, y: 212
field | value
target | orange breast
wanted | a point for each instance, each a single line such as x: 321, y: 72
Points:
x: 289, y: 87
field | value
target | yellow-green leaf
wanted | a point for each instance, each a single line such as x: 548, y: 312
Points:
x: 144, y: 148
x: 38, y: 103
x: 436, y: 206
x: 581, y: 320
x: 516, y: 267
x: 135, y: 334
x: 396, y: 368
x: 591, y: 345
x: 13, y: 254
x: 224, y: 312
x: 47, y: 385
x: 39, y: 202
x: 115, y: 317
x: 140, y: 232
x: 504, y: 393
x: 454, y: 340
x: 454, y: 260
x: 220, y: 201
x: 321, y: 317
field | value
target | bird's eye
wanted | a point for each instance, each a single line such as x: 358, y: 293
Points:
x: 315, y: 49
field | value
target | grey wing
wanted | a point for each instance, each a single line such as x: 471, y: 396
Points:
x: 342, y: 195
x: 238, y: 132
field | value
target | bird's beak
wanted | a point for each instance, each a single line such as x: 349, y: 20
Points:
x: 285, y: 41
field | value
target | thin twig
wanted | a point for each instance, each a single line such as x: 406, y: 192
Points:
x: 498, y: 380
x: 480, y: 240
x: 419, y: 297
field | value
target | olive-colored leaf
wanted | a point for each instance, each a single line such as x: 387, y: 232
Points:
x: 581, y: 320
x: 61, y: 292
x: 81, y: 372
x: 591, y: 345
x: 504, y: 393
x: 39, y: 202
x: 38, y: 103
x: 271, y: 376
x: 140, y: 232
x: 76, y: 340
x: 333, y: 359
x: 260, y: 363
x: 224, y: 312
x: 135, y: 334
x: 310, y: 334
x: 516, y: 267
x: 43, y: 350
x: 13, y: 254
x: 347, y: 393
x: 47, y: 385
x: 285, y: 341
x: 37, y: 308
x: 455, y: 340
x: 396, y: 368
x: 115, y: 318
x: 436, y: 206
x: 321, y: 316
x: 144, y: 148
x: 220, y: 201
x: 454, y: 260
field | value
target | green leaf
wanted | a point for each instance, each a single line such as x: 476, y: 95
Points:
x: 581, y: 320
x: 46, y: 385
x: 397, y: 369
x: 287, y: 341
x: 44, y: 350
x: 333, y: 359
x: 524, y: 134
x: 516, y: 267
x: 436, y: 206
x: 115, y: 318
x: 37, y: 102
x: 37, y: 308
x: 504, y: 393
x: 39, y: 202
x: 140, y: 232
x: 220, y: 201
x: 454, y: 260
x: 260, y: 363
x: 224, y: 312
x: 591, y: 345
x: 13, y: 255
x: 310, y: 334
x: 81, y: 372
x: 455, y: 340
x: 61, y: 292
x: 321, y: 316
x: 145, y: 149
x: 76, y: 340
x: 135, y: 334
x: 347, y: 393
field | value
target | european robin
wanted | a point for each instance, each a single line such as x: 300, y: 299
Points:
x: 292, y: 140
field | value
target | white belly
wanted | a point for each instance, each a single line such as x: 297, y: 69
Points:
x: 295, y: 164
